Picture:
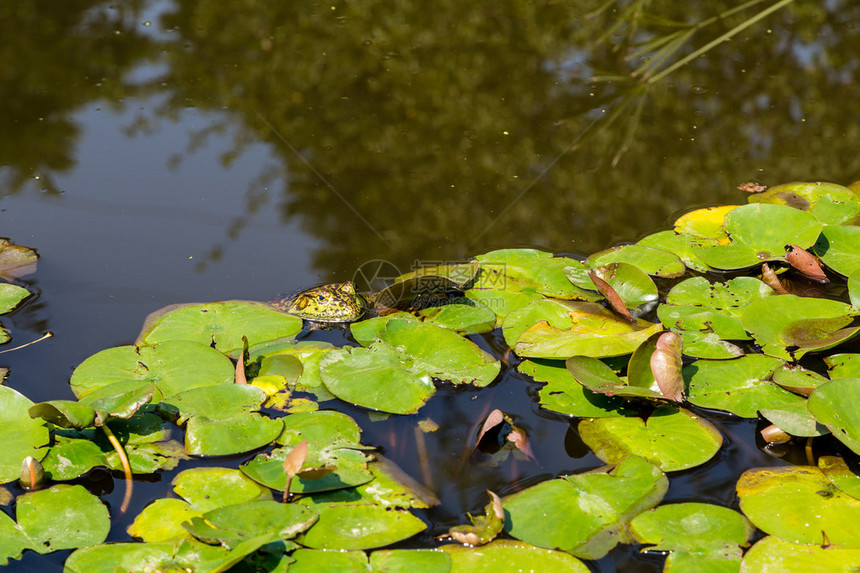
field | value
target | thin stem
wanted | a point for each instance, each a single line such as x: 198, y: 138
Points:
x: 48, y: 334
x: 126, y: 467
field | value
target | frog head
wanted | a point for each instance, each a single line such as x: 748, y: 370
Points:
x: 327, y: 303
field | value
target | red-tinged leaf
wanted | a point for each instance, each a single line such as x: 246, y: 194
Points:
x: 805, y: 262
x: 666, y: 366
x: 294, y: 460
x: 773, y: 435
x: 519, y: 439
x: 485, y: 527
x: 769, y: 278
x: 611, y: 297
x: 496, y: 418
x: 240, y: 363
x: 293, y: 465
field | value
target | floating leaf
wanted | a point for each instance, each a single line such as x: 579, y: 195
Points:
x: 232, y: 524
x: 656, y: 262
x: 463, y: 318
x: 830, y: 203
x: 615, y: 302
x: 840, y: 475
x: 20, y: 434
x: 708, y: 345
x: 565, y: 395
x: 220, y: 323
x: 794, y: 419
x: 839, y: 248
x: 558, y: 329
x: 16, y: 261
x: 173, y: 367
x: 515, y: 270
x: 799, y: 504
x: 739, y: 386
x: 781, y: 322
x: 62, y: 517
x: 758, y: 233
x: 696, y: 304
x: 671, y: 438
x: 692, y: 527
x: 834, y: 404
x: 11, y: 296
x: 598, y: 377
x: 775, y: 555
x: 681, y: 245
x: 797, y: 379
x: 507, y: 555
x: 705, y: 223
x: 583, y: 514
x: 843, y: 365
x: 359, y: 526
x: 396, y: 560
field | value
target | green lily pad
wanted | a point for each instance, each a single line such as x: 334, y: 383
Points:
x: 834, y: 404
x: 699, y: 305
x: 507, y: 555
x: 839, y: 248
x: 333, y: 442
x: 217, y: 402
x: 559, y: 329
x: 193, y: 556
x: 759, y: 233
x: 62, y: 517
x: 775, y: 555
x: 739, y: 386
x: 220, y: 323
x: 233, y: 524
x: 794, y: 419
x: 376, y: 378
x: 279, y: 360
x: 11, y: 296
x: 656, y: 262
x: 462, y: 318
x: 13, y: 540
x: 671, y: 438
x: 502, y: 302
x: 204, y: 489
x: 583, y: 514
x: 515, y: 270
x: 830, y: 203
x: 225, y: 436
x: 323, y: 561
x: 173, y: 367
x: 692, y: 527
x: 69, y: 458
x: 798, y: 379
x: 562, y: 393
x: 359, y: 526
x: 20, y: 434
x: 443, y: 354
x: 799, y: 504
x: 708, y: 345
x: 781, y: 322
x: 405, y: 560
x: 680, y: 245
x: 843, y: 366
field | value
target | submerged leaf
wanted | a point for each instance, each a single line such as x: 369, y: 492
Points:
x: 484, y: 528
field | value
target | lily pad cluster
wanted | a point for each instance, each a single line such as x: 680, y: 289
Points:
x: 733, y: 313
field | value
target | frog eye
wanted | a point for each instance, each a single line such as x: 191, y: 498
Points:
x: 322, y: 297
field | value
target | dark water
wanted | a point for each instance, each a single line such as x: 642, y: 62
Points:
x: 164, y: 152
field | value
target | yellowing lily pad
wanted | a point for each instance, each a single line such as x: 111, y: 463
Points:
x: 830, y: 203
x: 775, y: 555
x: 508, y: 555
x: 759, y: 233
x: 705, y: 223
x: 551, y: 328
x: 799, y: 504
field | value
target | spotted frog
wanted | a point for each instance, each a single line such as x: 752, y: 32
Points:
x: 326, y: 303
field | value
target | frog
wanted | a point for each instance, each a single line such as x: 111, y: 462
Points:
x: 331, y: 303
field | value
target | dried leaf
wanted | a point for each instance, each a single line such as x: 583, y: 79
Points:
x: 519, y: 439
x: 769, y: 278
x: 484, y: 528
x: 773, y: 435
x: 611, y: 297
x: 752, y: 187
x: 495, y: 419
x: 666, y: 366
x: 805, y: 262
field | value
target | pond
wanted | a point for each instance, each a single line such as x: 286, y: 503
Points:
x: 157, y: 153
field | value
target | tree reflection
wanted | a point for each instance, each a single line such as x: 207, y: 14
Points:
x: 407, y: 132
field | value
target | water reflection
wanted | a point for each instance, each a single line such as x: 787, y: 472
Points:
x: 406, y: 133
